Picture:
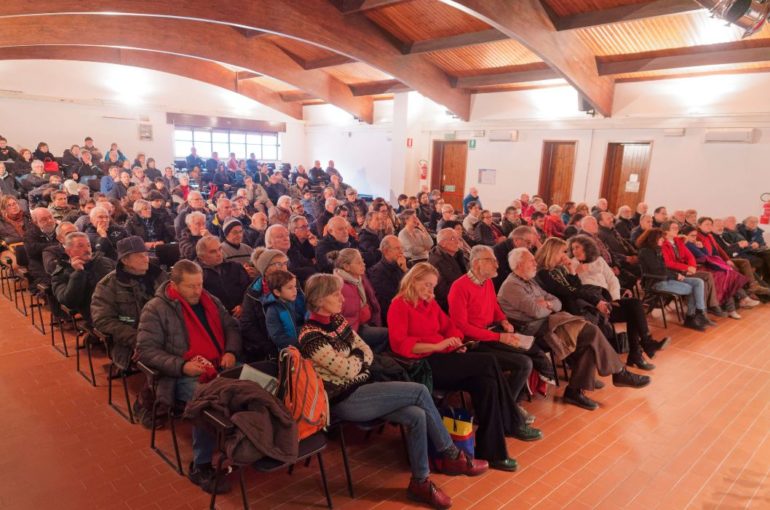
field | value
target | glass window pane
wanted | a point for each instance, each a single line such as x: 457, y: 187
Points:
x: 183, y: 134
x: 269, y: 152
x: 269, y: 139
x: 239, y: 149
x: 202, y: 136
x: 253, y: 138
x: 223, y: 149
x: 181, y: 149
x: 220, y: 136
x: 256, y: 149
x: 204, y: 150
x: 236, y: 137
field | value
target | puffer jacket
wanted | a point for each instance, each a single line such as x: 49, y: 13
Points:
x: 116, y: 306
x: 162, y: 339
x: 75, y: 288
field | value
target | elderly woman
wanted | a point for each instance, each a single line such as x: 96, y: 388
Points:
x: 343, y: 360
x: 361, y: 308
x: 593, y: 271
x: 419, y: 329
x: 150, y: 228
x: 13, y: 221
x: 416, y: 241
x: 487, y: 232
x: 194, y: 230
x: 664, y: 279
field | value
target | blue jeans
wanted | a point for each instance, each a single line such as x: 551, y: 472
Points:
x: 202, y: 440
x: 691, y: 287
x: 406, y: 403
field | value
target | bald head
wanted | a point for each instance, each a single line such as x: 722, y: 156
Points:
x: 391, y: 248
x: 589, y: 224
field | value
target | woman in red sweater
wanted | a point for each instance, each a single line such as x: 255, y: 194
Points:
x: 418, y: 328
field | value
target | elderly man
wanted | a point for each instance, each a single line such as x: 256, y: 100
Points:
x: 281, y: 212
x: 538, y: 313
x: 757, y: 250
x: 254, y: 232
x: 187, y: 335
x: 331, y: 170
x: 39, y: 235
x: 54, y: 253
x: 474, y: 309
x: 317, y: 175
x: 227, y: 281
x: 472, y: 196
x: 353, y: 204
x: 302, y: 245
x: 86, y: 170
x: 192, y: 233
x: 472, y: 217
x: 147, y: 226
x: 218, y: 219
x: 624, y: 222
x: 330, y: 205
x: 119, y: 297
x: 104, y: 234
x: 520, y: 237
x: 337, y: 239
x: 194, y: 202
x: 448, y: 259
x: 75, y: 277
x: 447, y: 214
x: 385, y: 276
x: 301, y: 187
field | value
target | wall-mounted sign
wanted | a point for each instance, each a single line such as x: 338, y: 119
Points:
x: 632, y: 187
x: 450, y: 136
x: 450, y: 188
x: 472, y: 143
x: 487, y: 176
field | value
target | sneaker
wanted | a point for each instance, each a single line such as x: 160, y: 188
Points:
x: 462, y: 465
x: 203, y: 476
x: 747, y: 302
x: 630, y: 379
x: 578, y: 398
x: 427, y: 492
x: 691, y: 322
x: 734, y: 315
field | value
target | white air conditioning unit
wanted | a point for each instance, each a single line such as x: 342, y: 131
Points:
x: 731, y: 135
x: 503, y: 136
x: 674, y: 132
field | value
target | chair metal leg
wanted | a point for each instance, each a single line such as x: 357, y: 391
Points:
x: 555, y: 368
x: 36, y: 304
x: 663, y: 311
x: 57, y: 322
x: 345, y: 461
x: 241, y: 476
x: 217, y: 474
x: 323, y: 479
x: 112, y: 373
x: 155, y: 448
x: 87, y: 346
x: 18, y: 294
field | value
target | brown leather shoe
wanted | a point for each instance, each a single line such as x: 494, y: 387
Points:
x: 427, y: 492
x: 462, y: 465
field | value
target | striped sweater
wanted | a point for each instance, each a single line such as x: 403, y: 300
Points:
x: 339, y: 355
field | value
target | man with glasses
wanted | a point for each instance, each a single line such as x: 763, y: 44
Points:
x: 301, y: 251
x: 448, y: 259
x: 195, y: 202
x: 474, y: 309
x: 227, y: 281
x: 520, y: 237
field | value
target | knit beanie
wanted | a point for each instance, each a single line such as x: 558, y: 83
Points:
x: 266, y: 258
x: 229, y: 224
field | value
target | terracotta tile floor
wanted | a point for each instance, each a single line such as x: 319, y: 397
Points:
x: 697, y: 437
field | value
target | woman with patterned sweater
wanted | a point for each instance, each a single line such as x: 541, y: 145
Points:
x: 343, y: 361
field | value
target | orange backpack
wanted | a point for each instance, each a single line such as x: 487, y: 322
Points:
x: 302, y: 391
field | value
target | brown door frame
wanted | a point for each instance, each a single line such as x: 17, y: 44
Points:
x: 605, y: 177
x: 544, y: 168
x: 437, y: 165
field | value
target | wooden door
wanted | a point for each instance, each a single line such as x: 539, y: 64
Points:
x: 448, y: 171
x: 557, y: 168
x: 625, y: 174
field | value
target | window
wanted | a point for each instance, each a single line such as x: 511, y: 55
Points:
x: 265, y: 146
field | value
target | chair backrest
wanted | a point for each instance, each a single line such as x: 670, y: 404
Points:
x: 22, y: 260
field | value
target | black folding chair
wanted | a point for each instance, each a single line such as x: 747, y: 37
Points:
x: 153, y: 377
x: 83, y: 339
x: 167, y: 254
x: 113, y: 373
x: 55, y: 320
x: 660, y: 299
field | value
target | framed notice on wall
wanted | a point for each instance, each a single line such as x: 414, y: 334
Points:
x: 487, y: 176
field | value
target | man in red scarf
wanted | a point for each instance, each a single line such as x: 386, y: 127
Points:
x: 188, y: 336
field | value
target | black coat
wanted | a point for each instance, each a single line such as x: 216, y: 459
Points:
x: 624, y: 227
x: 328, y: 244
x: 136, y: 227
x: 369, y: 246
x: 228, y: 282
x: 35, y: 241
x: 75, y: 288
x: 501, y: 251
x: 107, y: 246
x: 450, y: 268
x: 301, y: 255
x: 385, y: 278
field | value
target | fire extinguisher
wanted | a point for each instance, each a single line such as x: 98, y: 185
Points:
x: 765, y: 218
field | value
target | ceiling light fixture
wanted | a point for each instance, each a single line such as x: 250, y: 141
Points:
x: 750, y: 15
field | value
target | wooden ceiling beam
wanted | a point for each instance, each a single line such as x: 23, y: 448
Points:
x: 707, y: 56
x: 208, y: 41
x: 316, y: 22
x: 295, y: 95
x: 528, y: 22
x: 372, y: 88
x: 623, y: 13
x: 351, y: 6
x: 485, y: 80
x: 454, y: 41
x: 200, y: 70
x: 246, y: 75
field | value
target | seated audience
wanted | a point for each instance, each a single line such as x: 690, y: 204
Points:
x: 624, y: 222
x: 104, y: 233
x: 419, y: 329
x: 254, y: 232
x: 13, y: 221
x: 660, y: 214
x: 55, y: 252
x: 554, y: 225
x: 414, y: 238
x: 472, y: 196
x: 447, y: 214
x: 227, y: 281
x: 344, y: 362
x: 472, y: 216
x: 281, y: 212
x: 758, y: 251
x: 194, y: 203
x: 233, y: 248
x: 301, y: 252
x: 147, y: 226
x: 448, y: 259
x: 538, y: 313
x: 224, y: 211
x: 370, y: 237
x: 487, y: 231
x: 337, y: 239
x: 659, y: 277
x: 9, y: 186
x: 385, y: 276
x: 521, y: 237
x: 187, y: 336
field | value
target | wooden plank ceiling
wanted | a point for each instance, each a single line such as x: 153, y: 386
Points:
x: 625, y: 40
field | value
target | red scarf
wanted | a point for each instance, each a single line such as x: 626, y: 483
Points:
x: 199, y: 339
x: 185, y: 191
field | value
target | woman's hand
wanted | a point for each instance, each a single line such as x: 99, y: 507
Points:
x: 604, y: 307
x: 449, y: 343
x: 691, y: 269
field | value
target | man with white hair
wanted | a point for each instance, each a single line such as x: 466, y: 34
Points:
x: 194, y: 230
x: 474, y: 309
x: 385, y: 276
x: 227, y: 281
x: 538, y: 313
x: 195, y: 202
x: 520, y: 237
x: 337, y: 239
x: 301, y: 253
x: 330, y: 205
x: 104, y: 234
x: 624, y: 222
x: 448, y: 259
x: 39, y: 235
x: 472, y: 196
x: 281, y: 212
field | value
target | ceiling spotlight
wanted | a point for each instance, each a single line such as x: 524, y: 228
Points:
x: 747, y: 14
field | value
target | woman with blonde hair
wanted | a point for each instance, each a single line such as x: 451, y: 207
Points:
x: 418, y: 328
x: 343, y: 360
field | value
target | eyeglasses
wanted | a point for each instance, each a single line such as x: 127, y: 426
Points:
x: 279, y: 264
x: 301, y: 227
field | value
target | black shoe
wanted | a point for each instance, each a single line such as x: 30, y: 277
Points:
x: 527, y: 433
x: 504, y: 465
x: 598, y: 384
x: 638, y: 361
x: 651, y: 346
x: 203, y: 476
x: 630, y: 379
x: 691, y: 322
x: 717, y: 310
x: 577, y: 398
x: 705, y: 321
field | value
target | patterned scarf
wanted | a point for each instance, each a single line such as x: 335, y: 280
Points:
x: 358, y: 282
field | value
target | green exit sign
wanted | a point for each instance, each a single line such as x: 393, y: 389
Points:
x: 472, y: 143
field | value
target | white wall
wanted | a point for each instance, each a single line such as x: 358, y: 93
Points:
x: 62, y: 102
